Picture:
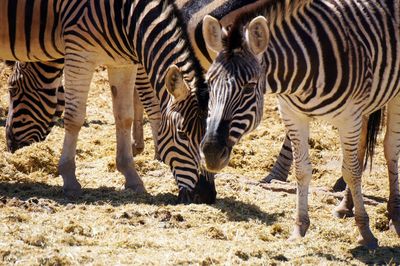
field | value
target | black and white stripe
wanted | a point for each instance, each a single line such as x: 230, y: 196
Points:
x: 121, y: 34
x: 337, y: 60
x: 37, y: 97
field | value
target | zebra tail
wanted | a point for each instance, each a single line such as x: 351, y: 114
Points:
x: 375, y: 123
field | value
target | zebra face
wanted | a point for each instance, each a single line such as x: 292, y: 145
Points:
x: 236, y: 84
x: 31, y: 110
x: 181, y: 130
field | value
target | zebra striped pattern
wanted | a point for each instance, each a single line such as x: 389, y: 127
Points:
x: 332, y: 59
x: 116, y: 33
x: 37, y: 97
x: 191, y: 14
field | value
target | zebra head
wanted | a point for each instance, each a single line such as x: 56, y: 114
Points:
x: 236, y: 84
x: 180, y: 135
x: 36, y: 102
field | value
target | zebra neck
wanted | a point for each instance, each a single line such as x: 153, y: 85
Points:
x: 160, y: 40
x: 289, y: 64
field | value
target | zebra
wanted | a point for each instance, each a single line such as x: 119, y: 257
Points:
x: 33, y: 114
x: 39, y: 103
x: 117, y: 33
x: 192, y: 13
x: 330, y: 59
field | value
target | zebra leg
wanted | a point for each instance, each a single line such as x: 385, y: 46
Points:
x: 151, y: 105
x: 345, y: 207
x: 77, y: 82
x: 298, y: 130
x: 122, y: 81
x: 137, y: 128
x: 350, y: 132
x: 280, y: 170
x: 155, y: 126
x: 392, y: 149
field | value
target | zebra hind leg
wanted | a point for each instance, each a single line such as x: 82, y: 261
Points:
x: 280, y: 170
x: 122, y: 83
x: 350, y: 132
x: 392, y: 150
x: 345, y: 207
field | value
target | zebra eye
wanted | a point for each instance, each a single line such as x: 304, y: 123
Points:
x: 249, y: 87
x: 13, y: 91
x: 182, y: 135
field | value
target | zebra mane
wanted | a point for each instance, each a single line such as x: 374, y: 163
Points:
x: 275, y: 11
x: 199, y: 81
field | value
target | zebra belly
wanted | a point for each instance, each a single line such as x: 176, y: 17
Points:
x: 30, y: 31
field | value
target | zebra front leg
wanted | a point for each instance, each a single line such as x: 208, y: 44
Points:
x: 392, y: 149
x: 78, y: 76
x: 280, y: 170
x: 350, y: 131
x: 122, y: 80
x: 137, y: 128
x: 298, y: 131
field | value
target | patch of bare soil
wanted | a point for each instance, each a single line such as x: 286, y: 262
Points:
x: 249, y: 224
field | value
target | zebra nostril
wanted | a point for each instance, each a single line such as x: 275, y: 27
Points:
x: 225, y: 153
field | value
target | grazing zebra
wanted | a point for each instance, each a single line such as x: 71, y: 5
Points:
x: 337, y: 60
x: 37, y: 101
x: 192, y: 13
x: 122, y: 35
x: 35, y: 111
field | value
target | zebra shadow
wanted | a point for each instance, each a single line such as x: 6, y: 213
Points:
x: 379, y: 256
x: 35, y: 194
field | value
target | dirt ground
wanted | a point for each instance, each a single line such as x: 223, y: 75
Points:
x: 248, y: 224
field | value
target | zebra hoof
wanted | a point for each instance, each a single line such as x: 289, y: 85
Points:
x: 72, y: 193
x: 299, y: 231
x: 272, y: 176
x: 395, y: 226
x: 296, y: 235
x: 342, y: 213
x: 185, y: 196
x: 368, y: 243
x: 137, y: 188
x: 136, y: 150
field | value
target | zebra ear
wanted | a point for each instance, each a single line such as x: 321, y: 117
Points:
x: 257, y: 35
x: 212, y: 33
x: 175, y: 84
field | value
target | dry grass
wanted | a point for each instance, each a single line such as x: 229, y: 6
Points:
x: 248, y: 224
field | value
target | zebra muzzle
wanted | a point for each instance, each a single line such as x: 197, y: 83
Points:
x: 215, y: 156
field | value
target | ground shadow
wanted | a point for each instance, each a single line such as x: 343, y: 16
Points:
x: 95, y: 196
x: 94, y: 122
x: 26, y: 191
x: 2, y: 122
x: 239, y: 211
x: 379, y: 256
x: 375, y: 198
